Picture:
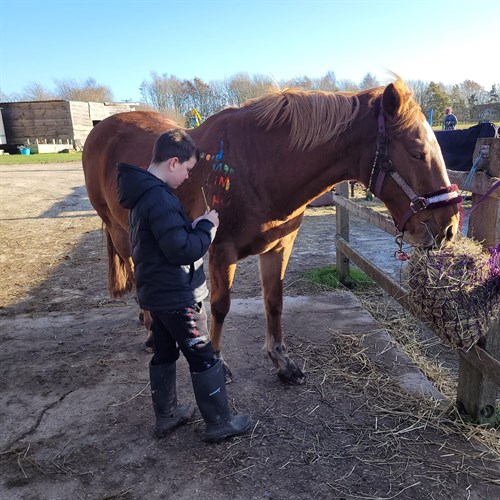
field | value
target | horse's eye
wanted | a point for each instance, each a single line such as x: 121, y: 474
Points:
x: 418, y: 155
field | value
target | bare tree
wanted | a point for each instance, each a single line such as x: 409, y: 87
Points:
x: 241, y: 87
x: 470, y: 90
x: 235, y: 89
x: 155, y: 93
x: 299, y: 82
x: 220, y: 95
x: 164, y: 92
x: 88, y: 90
x: 4, y: 97
x: 169, y: 113
x: 199, y: 95
x: 238, y: 89
x: 177, y: 98
x: 368, y: 82
x: 347, y: 86
x: 419, y: 89
x: 36, y: 92
x: 261, y: 85
x: 327, y: 83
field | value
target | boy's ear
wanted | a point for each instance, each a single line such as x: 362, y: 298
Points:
x: 171, y: 162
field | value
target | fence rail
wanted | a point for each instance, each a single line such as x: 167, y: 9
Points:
x: 479, y: 368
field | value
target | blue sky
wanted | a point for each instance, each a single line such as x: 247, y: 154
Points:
x: 120, y: 42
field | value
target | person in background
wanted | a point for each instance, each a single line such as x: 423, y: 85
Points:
x: 450, y: 120
x: 167, y: 250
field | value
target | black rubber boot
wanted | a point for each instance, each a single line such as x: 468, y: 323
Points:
x: 164, y: 396
x: 211, y: 396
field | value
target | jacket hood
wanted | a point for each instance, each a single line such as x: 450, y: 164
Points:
x: 133, y: 182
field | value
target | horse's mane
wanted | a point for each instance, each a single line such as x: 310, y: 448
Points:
x: 315, y: 117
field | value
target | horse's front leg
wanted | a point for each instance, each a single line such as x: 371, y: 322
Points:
x: 272, y: 270
x: 222, y: 266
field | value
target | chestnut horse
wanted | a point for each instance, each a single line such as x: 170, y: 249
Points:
x: 261, y: 164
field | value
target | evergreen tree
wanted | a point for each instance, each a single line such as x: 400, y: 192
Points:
x: 436, y: 98
x: 493, y: 94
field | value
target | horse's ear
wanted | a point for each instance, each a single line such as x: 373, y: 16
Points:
x: 393, y: 100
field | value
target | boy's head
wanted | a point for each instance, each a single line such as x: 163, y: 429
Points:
x: 174, y: 155
x: 174, y: 142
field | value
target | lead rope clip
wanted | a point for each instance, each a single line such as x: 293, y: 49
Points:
x: 400, y: 254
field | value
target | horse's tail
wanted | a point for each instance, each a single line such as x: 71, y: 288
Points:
x: 120, y: 278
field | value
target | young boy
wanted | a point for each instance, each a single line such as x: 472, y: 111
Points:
x: 167, y: 250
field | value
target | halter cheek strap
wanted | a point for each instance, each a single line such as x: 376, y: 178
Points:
x: 436, y: 199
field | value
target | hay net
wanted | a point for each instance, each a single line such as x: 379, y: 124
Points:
x: 456, y: 290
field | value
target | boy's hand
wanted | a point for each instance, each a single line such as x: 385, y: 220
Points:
x: 212, y: 216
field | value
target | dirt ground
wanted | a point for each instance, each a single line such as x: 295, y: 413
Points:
x: 75, y: 410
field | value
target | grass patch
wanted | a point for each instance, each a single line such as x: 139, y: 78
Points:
x: 329, y: 277
x: 40, y: 158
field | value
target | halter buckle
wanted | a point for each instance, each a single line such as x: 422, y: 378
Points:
x: 418, y: 204
x: 386, y: 164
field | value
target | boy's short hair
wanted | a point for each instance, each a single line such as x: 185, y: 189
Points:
x: 174, y: 143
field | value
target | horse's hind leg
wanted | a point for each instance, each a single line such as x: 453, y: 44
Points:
x: 222, y: 265
x: 121, y: 274
x: 272, y: 270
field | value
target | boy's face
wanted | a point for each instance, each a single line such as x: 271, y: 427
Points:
x: 178, y: 172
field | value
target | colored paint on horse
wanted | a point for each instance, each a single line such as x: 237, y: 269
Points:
x: 222, y: 181
x: 283, y: 150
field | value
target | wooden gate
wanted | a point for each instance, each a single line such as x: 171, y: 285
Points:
x: 479, y: 368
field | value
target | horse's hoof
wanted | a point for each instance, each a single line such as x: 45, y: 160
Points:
x: 292, y: 375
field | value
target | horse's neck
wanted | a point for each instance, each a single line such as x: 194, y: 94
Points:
x: 280, y: 176
x: 306, y: 177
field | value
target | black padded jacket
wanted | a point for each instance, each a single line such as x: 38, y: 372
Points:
x: 166, y: 250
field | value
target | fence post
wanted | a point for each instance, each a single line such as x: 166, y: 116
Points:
x: 342, y: 229
x: 476, y: 392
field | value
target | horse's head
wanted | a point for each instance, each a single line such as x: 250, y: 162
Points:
x: 408, y: 172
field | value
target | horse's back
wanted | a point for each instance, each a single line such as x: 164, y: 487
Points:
x: 126, y: 137
x: 123, y: 137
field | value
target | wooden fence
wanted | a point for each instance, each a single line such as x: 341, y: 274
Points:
x: 479, y: 368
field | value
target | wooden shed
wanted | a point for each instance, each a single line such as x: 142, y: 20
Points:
x: 56, y: 122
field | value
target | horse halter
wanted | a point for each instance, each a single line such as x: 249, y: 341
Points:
x: 440, y: 198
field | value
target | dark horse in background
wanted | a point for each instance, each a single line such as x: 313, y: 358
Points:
x: 458, y: 146
x: 261, y: 164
